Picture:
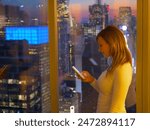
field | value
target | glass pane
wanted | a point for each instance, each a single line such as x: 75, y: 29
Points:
x: 24, y: 56
x: 79, y: 22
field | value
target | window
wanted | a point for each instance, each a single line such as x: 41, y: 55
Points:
x: 24, y: 48
x: 78, y: 24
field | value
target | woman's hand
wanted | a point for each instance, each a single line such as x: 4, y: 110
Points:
x: 88, y: 78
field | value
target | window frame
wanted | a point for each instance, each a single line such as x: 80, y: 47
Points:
x: 142, y: 54
x: 53, y: 36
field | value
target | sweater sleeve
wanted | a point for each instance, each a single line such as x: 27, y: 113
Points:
x: 122, y: 80
x: 95, y: 85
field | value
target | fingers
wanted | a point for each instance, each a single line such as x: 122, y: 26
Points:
x: 78, y: 76
x: 84, y: 73
x: 81, y: 76
x: 87, y: 77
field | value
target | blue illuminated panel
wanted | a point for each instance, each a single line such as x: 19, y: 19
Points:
x: 33, y: 34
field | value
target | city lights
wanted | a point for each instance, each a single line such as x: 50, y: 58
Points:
x: 33, y: 34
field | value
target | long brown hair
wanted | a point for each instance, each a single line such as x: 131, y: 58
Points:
x: 118, y: 46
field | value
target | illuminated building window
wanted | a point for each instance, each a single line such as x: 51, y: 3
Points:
x: 33, y: 34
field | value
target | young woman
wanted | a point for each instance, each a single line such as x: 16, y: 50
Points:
x: 113, y: 84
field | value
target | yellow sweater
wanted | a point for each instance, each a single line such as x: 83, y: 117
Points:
x: 113, y: 89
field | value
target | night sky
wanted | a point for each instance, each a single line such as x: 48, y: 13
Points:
x: 20, y: 2
x: 78, y: 8
x: 29, y: 6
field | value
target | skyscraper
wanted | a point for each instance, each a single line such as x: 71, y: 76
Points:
x: 92, y: 61
x: 20, y: 89
x: 36, y: 54
x: 17, y: 26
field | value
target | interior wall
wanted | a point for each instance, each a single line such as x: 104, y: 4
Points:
x: 143, y: 56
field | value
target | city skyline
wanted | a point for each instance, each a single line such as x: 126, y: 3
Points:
x: 79, y: 9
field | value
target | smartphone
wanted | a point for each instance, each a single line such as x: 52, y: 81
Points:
x: 78, y: 73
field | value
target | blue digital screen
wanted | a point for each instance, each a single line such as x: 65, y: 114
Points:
x: 33, y: 34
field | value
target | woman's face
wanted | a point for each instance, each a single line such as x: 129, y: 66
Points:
x: 104, y: 47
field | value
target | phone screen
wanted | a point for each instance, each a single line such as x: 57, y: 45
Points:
x: 77, y: 72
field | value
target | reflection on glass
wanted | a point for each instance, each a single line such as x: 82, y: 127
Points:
x: 24, y: 48
x: 78, y: 24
